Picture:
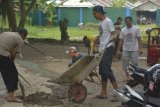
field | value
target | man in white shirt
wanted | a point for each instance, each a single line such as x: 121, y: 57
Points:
x: 106, y: 48
x: 130, y: 39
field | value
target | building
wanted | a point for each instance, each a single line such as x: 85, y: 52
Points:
x: 81, y: 12
x: 147, y: 12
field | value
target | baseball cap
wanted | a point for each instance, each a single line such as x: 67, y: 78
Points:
x: 99, y: 9
x: 71, y: 49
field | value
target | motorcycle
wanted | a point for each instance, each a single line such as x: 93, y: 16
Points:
x: 138, y: 75
x: 135, y: 98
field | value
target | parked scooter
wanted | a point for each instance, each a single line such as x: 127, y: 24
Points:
x: 138, y: 75
x: 150, y: 79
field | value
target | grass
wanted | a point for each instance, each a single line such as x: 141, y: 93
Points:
x: 54, y: 32
x: 75, y: 32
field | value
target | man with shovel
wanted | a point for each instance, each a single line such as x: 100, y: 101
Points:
x: 11, y: 44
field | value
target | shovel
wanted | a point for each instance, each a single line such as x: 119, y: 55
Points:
x: 22, y: 89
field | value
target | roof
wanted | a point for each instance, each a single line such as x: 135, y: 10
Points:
x: 150, y: 9
x: 129, y: 4
x: 107, y: 3
x: 76, y: 3
x: 143, y: 1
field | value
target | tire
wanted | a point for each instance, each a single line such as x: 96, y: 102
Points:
x: 77, y: 93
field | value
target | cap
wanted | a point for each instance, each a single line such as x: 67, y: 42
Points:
x: 71, y: 49
x: 22, y: 30
x: 99, y: 9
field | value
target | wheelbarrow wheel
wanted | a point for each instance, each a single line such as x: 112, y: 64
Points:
x: 77, y: 93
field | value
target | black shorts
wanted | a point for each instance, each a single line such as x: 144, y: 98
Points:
x: 9, y: 73
x: 105, y: 64
x: 87, y: 43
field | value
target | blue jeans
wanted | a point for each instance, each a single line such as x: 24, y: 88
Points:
x: 105, y: 65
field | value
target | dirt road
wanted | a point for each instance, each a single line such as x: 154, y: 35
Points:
x: 38, y: 69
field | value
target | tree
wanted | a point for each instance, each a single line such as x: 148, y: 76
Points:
x: 9, y: 7
x: 3, y: 9
x: 24, y: 11
x: 10, y: 14
x: 24, y: 6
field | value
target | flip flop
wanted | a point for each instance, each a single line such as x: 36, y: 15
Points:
x: 100, y: 97
x: 113, y: 98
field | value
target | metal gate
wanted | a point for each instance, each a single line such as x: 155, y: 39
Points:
x: 153, y: 54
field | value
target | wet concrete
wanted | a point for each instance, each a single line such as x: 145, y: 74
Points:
x: 37, y: 68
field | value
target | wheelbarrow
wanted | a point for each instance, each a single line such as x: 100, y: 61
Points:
x: 74, y: 76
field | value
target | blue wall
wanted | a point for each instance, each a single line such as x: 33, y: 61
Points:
x: 77, y: 15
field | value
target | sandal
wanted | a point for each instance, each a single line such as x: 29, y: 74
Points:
x: 100, y: 97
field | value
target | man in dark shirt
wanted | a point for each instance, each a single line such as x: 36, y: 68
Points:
x: 118, y: 27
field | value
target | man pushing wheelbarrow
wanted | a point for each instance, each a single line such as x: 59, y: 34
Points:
x: 106, y: 48
x: 80, y: 70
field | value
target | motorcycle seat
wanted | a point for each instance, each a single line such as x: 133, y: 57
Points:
x: 138, y: 69
x: 141, y: 70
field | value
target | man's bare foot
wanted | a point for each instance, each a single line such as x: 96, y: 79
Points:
x: 13, y: 99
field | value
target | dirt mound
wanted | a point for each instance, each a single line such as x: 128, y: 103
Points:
x: 60, y: 91
x: 42, y: 98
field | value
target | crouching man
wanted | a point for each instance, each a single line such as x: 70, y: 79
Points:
x: 75, y: 54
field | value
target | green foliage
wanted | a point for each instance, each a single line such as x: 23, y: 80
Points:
x: 41, y: 5
x: 143, y: 29
x: 49, y: 9
x: 119, y: 3
x: 2, y: 22
x: 51, y: 14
